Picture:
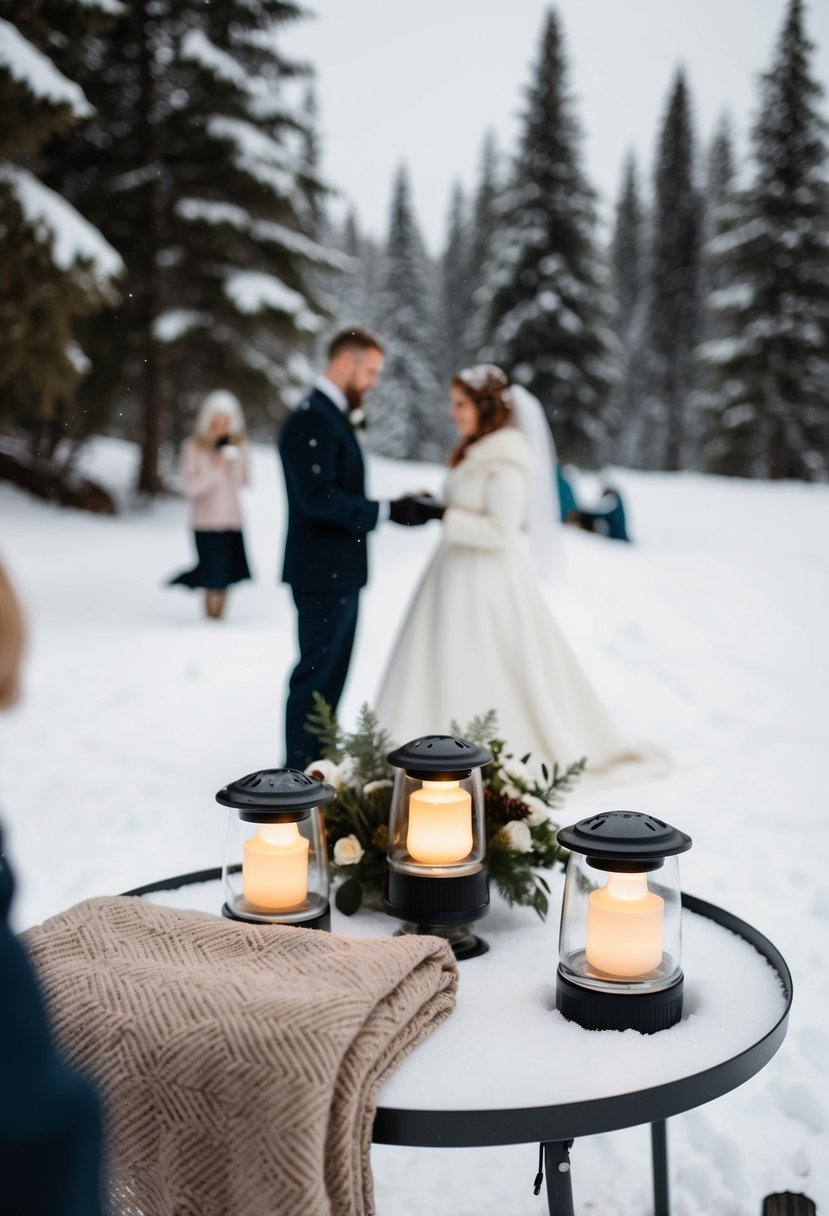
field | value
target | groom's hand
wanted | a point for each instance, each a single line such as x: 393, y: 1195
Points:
x: 412, y: 512
x: 429, y: 507
x: 405, y: 511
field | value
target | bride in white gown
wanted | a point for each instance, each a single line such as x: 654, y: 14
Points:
x: 478, y: 634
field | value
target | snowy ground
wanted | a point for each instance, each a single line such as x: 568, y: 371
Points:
x: 708, y: 636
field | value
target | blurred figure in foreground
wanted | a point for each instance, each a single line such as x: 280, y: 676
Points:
x: 214, y: 466
x: 50, y: 1126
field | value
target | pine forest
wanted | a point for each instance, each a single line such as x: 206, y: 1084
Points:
x: 168, y: 227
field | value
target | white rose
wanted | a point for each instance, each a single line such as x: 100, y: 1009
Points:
x: 325, y: 770
x: 518, y: 836
x: 511, y: 791
x: 539, y: 812
x: 516, y: 772
x: 377, y: 785
x: 348, y: 851
x: 348, y: 772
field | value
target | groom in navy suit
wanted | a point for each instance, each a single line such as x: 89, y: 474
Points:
x: 329, y: 518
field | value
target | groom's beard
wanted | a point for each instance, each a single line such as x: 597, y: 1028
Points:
x: 354, y: 397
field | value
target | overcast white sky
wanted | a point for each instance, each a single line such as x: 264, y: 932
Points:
x: 421, y: 81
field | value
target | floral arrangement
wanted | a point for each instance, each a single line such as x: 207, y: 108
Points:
x: 521, y: 836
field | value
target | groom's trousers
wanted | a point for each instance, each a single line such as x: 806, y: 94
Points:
x: 326, y: 625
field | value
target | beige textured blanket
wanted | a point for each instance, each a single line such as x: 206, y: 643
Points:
x: 238, y: 1064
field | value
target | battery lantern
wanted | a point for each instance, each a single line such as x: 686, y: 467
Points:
x: 621, y: 923
x: 275, y: 868
x: 436, y: 876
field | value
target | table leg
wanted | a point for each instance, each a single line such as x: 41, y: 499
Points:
x: 659, y: 1159
x: 559, y: 1182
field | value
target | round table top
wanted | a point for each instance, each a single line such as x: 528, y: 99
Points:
x: 506, y: 1067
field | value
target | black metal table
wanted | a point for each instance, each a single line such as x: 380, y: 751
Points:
x: 408, y: 1114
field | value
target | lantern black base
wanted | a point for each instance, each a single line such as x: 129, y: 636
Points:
x: 647, y: 1012
x: 321, y: 921
x: 464, y: 944
x: 440, y: 902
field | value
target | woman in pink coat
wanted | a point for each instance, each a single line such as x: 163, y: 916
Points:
x: 214, y: 466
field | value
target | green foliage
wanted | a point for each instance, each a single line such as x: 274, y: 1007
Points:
x: 481, y: 730
x: 355, y: 763
x: 322, y: 722
x: 369, y: 746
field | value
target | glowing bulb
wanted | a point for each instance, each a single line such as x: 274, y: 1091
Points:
x: 440, y: 823
x: 624, y: 926
x: 275, y: 867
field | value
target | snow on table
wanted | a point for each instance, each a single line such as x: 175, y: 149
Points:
x: 506, y: 1046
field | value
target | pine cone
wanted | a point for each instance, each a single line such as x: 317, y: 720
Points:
x: 503, y: 809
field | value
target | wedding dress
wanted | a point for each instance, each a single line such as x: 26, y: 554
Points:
x: 479, y: 635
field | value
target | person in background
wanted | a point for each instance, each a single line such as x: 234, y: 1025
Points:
x: 566, y: 496
x: 214, y: 466
x: 50, y: 1122
x: 606, y: 520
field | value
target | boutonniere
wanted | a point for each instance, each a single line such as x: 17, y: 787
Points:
x: 356, y: 420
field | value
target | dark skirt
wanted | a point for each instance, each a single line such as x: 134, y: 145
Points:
x: 222, y: 561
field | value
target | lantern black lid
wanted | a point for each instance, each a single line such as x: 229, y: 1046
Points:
x: 436, y: 757
x: 619, y: 837
x: 274, y: 795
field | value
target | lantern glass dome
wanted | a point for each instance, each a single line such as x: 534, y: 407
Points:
x: 621, y: 928
x: 275, y: 867
x: 437, y: 823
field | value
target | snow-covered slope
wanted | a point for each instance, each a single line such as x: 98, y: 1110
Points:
x: 708, y: 636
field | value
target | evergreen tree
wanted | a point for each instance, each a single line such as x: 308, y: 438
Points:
x: 197, y: 170
x: 479, y: 249
x: 673, y: 290
x: 355, y: 288
x: 409, y: 412
x: 765, y: 399
x: 721, y: 177
x: 309, y: 167
x: 627, y: 259
x: 455, y: 285
x: 720, y: 185
x: 547, y: 313
x: 325, y: 284
x: 626, y: 250
x: 55, y: 267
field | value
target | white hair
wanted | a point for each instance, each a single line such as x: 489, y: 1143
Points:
x: 220, y: 401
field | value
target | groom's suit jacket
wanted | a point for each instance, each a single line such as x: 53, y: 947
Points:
x: 328, y: 512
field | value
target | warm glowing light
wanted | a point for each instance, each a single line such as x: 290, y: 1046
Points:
x: 275, y: 867
x: 624, y: 926
x: 440, y: 823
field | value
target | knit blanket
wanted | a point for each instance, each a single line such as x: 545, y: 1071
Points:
x: 238, y: 1064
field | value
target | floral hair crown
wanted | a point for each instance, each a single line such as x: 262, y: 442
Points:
x: 481, y: 376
